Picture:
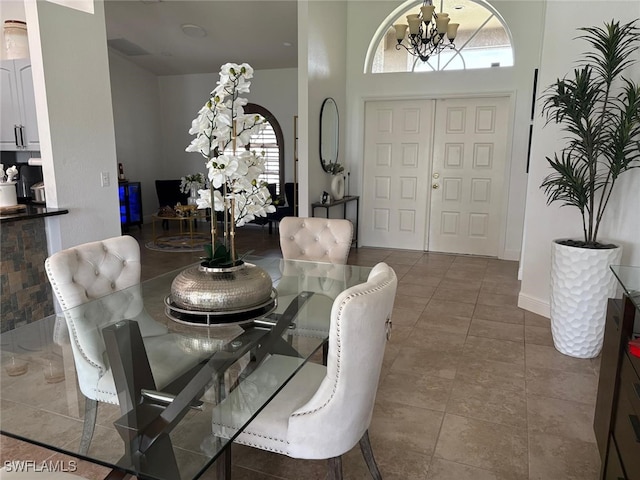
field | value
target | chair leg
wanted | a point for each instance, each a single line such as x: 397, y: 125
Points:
x: 90, y: 416
x: 367, y: 453
x: 335, y: 468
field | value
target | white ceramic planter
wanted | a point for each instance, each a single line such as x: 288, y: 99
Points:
x: 581, y: 283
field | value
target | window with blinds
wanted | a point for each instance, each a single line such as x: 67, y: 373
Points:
x: 270, y: 144
x: 265, y: 143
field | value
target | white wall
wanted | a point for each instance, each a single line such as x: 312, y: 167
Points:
x: 525, y: 21
x: 181, y: 96
x: 545, y: 223
x: 136, y: 114
x: 75, y: 122
x: 326, y: 77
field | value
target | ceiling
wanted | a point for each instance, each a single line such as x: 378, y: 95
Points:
x: 150, y: 34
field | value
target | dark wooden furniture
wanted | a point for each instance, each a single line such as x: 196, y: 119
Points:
x: 617, y: 415
x: 343, y: 201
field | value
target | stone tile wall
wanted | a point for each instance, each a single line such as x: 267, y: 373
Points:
x: 25, y: 292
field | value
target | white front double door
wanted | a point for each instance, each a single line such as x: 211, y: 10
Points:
x: 434, y: 174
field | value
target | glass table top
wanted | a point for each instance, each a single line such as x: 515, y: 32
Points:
x: 629, y: 278
x: 162, y: 430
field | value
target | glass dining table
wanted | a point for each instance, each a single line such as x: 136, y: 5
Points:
x: 150, y: 431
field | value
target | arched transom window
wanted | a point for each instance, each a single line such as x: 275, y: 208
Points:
x: 483, y: 40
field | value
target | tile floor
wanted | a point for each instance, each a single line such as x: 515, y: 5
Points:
x: 471, y: 386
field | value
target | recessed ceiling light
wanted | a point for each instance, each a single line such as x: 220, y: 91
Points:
x: 191, y: 30
x: 287, y: 44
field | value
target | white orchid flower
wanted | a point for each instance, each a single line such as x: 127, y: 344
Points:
x: 204, y: 199
x: 217, y: 123
x: 247, y: 70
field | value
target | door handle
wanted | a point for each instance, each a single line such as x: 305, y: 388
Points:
x: 435, y: 186
x: 436, y: 175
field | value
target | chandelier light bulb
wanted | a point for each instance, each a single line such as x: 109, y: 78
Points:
x: 401, y: 31
x: 441, y: 24
x: 427, y: 13
x: 452, y: 31
x: 414, y: 25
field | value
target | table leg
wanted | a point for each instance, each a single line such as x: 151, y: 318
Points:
x: 129, y: 362
x: 223, y: 464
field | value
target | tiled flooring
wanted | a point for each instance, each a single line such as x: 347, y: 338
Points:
x: 471, y: 387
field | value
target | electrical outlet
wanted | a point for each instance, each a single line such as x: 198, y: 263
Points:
x: 105, y: 181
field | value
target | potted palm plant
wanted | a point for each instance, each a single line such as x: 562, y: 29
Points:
x: 599, y: 110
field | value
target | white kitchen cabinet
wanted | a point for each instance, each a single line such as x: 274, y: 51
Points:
x: 18, y: 123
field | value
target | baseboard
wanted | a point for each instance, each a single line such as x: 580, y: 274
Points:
x: 511, y: 255
x: 534, y: 305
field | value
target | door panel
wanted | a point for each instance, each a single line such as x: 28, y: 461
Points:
x: 395, y: 191
x: 469, y: 158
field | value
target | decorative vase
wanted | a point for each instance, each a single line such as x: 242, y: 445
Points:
x: 229, y: 289
x: 337, y: 187
x: 8, y: 195
x: 581, y: 283
x: 193, y: 196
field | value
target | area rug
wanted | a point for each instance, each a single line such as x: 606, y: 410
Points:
x: 179, y: 243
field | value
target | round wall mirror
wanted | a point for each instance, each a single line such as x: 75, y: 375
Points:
x: 328, y: 133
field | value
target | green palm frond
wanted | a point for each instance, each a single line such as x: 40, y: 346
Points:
x: 613, y: 46
x: 569, y: 182
x: 599, y: 111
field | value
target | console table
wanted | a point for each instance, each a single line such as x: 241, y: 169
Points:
x: 343, y: 201
x: 617, y: 415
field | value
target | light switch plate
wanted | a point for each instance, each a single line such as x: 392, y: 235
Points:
x: 105, y: 181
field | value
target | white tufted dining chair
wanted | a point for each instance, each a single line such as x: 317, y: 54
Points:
x: 97, y: 284
x: 316, y: 239
x: 323, y: 411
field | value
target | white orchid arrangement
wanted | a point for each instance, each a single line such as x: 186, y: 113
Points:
x: 195, y: 181
x: 222, y: 129
x: 9, y: 175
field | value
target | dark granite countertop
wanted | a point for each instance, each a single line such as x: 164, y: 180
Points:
x: 32, y: 211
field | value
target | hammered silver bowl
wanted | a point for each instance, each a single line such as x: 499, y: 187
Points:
x: 229, y: 289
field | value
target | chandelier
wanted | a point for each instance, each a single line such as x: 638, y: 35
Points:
x: 427, y: 30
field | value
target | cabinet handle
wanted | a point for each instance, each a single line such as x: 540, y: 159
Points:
x: 15, y: 134
x: 22, y: 144
x: 635, y: 423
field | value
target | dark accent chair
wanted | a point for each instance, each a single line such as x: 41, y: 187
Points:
x: 267, y: 220
x: 288, y: 209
